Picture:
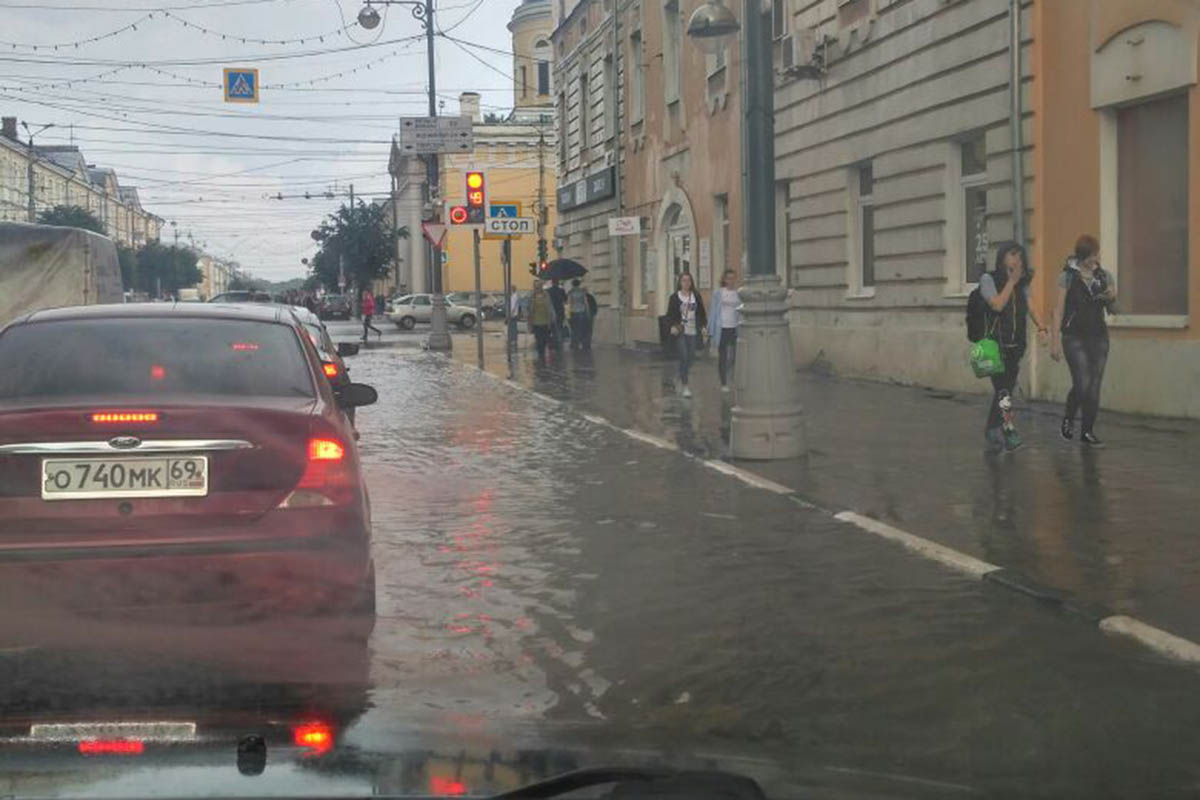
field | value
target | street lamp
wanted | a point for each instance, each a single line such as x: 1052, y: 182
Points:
x: 422, y: 11
x: 768, y: 419
x: 32, y: 160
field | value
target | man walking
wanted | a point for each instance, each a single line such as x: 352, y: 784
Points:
x: 577, y: 307
x: 541, y: 319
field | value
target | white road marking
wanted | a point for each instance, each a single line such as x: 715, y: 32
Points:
x: 746, y: 477
x: 1158, y: 640
x: 592, y: 418
x: 960, y: 562
x: 648, y: 439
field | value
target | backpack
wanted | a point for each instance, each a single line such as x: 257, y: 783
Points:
x: 977, y: 309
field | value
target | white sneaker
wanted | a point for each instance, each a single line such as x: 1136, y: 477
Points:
x: 687, y: 392
x: 725, y: 389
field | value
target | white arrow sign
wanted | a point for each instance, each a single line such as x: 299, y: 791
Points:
x: 510, y: 226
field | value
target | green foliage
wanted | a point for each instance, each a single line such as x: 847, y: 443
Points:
x: 358, y: 240
x: 160, y: 268
x: 72, y: 217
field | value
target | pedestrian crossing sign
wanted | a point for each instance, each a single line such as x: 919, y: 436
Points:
x: 241, y: 85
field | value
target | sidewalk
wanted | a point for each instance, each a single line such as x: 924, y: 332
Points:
x: 1114, y: 528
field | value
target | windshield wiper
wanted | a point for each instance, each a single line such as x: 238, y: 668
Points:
x: 638, y: 782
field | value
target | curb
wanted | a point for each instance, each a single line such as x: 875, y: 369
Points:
x: 1154, y: 639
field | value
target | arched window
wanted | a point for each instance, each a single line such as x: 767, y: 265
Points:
x: 541, y: 58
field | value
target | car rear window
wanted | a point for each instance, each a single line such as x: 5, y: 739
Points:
x: 152, y: 357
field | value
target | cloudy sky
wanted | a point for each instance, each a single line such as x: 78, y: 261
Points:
x: 144, y: 98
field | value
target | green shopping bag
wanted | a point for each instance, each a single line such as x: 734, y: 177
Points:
x: 985, y: 358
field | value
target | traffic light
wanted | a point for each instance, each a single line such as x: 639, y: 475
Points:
x: 458, y: 215
x: 476, y: 198
x: 543, y: 250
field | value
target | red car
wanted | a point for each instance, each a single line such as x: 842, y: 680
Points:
x: 185, y: 461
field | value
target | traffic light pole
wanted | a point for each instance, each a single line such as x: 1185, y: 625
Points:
x: 439, y: 334
x: 478, y: 301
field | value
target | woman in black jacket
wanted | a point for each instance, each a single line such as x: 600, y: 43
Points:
x: 685, y: 313
x: 1085, y: 292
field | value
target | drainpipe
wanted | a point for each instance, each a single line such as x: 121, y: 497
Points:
x: 1014, y: 120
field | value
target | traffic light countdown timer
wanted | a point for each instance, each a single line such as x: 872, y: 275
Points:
x: 475, y: 211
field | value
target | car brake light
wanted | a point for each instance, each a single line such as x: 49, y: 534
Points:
x: 106, y: 417
x: 331, y: 370
x: 315, y: 736
x: 446, y: 787
x: 328, y: 478
x: 244, y: 347
x: 112, y: 747
x: 158, y: 372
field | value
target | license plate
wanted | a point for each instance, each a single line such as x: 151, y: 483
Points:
x: 95, y: 478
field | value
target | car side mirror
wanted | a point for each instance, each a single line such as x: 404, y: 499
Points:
x: 345, y: 349
x: 356, y: 395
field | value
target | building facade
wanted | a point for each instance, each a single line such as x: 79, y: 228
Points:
x: 631, y: 88
x: 898, y: 136
x: 61, y: 176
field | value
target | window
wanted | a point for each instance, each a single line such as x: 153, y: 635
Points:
x: 637, y: 82
x: 524, y: 83
x: 562, y: 126
x: 974, y: 245
x: 610, y: 98
x: 861, y: 280
x: 543, y: 77
x: 1152, y: 207
x: 671, y: 43
x: 585, y: 109
x: 778, y: 18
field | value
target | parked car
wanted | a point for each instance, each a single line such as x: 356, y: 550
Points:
x: 335, y: 306
x: 242, y: 296
x: 409, y: 310
x: 492, y: 303
x: 176, y: 459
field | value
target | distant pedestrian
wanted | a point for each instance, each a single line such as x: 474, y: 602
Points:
x: 514, y: 318
x: 559, y: 298
x: 1085, y: 292
x: 685, y: 313
x: 368, y: 311
x: 580, y: 314
x: 542, y: 319
x: 310, y: 303
x: 1009, y: 300
x: 723, y: 325
x: 593, y: 310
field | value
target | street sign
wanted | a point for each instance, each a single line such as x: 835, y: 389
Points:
x: 504, y: 210
x: 624, y: 226
x: 511, y: 226
x: 427, y: 135
x: 241, y: 85
x: 434, y: 233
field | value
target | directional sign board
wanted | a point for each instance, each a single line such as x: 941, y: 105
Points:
x: 511, y: 226
x: 241, y: 85
x: 428, y: 135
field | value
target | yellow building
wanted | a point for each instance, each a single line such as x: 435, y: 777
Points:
x: 517, y: 157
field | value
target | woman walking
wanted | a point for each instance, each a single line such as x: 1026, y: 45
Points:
x: 1085, y: 291
x: 368, y: 311
x: 685, y: 313
x: 542, y: 319
x: 723, y: 326
x: 1006, y: 290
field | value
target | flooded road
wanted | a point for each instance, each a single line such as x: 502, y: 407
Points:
x: 547, y: 584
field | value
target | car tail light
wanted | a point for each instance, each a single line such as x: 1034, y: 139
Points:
x: 316, y: 736
x: 446, y: 787
x: 328, y: 480
x: 123, y: 417
x: 330, y: 369
x: 112, y: 747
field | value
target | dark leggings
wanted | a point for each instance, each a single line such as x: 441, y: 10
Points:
x: 368, y: 326
x: 726, y: 352
x: 1005, y: 383
x: 1086, y: 356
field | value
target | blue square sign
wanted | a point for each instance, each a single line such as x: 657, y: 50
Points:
x: 241, y: 85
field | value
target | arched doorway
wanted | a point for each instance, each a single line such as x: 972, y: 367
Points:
x: 676, y: 244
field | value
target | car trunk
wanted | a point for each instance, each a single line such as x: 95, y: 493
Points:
x: 255, y: 451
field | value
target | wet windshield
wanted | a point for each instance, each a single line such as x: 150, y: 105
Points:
x: 436, y: 397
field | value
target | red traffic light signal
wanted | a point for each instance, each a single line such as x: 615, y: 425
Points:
x: 459, y: 215
x: 476, y: 190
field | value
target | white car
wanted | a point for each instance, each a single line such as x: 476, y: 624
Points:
x: 407, y: 311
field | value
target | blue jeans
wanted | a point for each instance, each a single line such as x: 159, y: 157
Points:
x: 1087, y: 357
x: 687, y: 354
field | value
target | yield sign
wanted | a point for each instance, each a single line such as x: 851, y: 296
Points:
x: 434, y: 232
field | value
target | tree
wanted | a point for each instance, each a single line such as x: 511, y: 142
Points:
x: 166, y: 268
x: 242, y: 283
x: 357, y: 240
x: 72, y: 217
x: 127, y: 257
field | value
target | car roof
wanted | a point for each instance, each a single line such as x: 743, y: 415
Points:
x: 260, y: 312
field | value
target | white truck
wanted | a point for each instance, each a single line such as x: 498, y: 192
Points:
x: 45, y: 266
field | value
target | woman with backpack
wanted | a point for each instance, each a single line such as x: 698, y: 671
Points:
x: 1085, y: 292
x: 1009, y: 304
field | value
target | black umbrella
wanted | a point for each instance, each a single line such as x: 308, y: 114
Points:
x: 563, y: 269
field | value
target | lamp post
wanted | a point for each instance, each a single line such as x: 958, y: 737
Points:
x: 422, y: 11
x: 768, y: 419
x: 32, y: 160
